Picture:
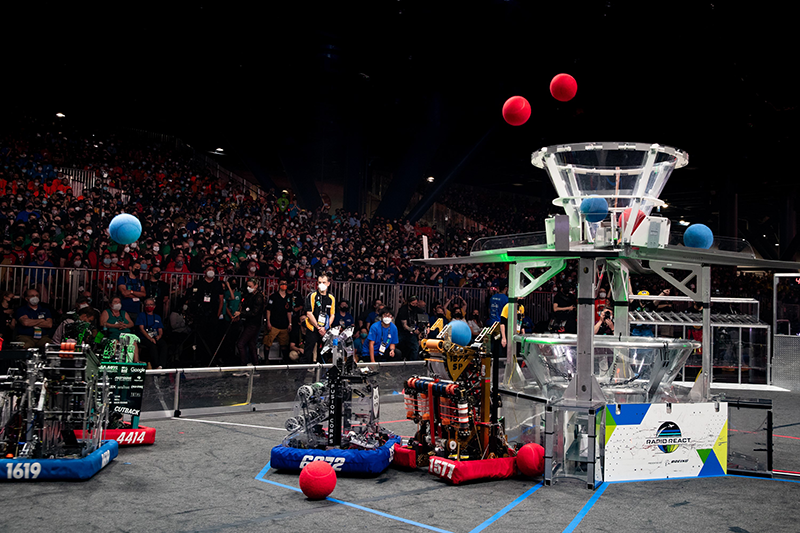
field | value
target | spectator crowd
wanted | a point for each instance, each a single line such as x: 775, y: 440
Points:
x: 194, y: 223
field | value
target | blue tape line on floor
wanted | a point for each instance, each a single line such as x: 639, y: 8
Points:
x: 586, y: 508
x: 507, y: 508
x: 260, y: 477
x: 379, y: 513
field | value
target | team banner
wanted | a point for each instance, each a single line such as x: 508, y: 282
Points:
x: 127, y: 385
x: 658, y: 441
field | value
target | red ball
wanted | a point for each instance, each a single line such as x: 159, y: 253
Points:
x: 627, y: 215
x: 563, y: 87
x: 317, y: 480
x: 530, y: 460
x: 516, y: 111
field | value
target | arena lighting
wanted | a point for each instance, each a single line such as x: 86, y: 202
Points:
x: 430, y: 179
x: 60, y: 115
x: 220, y: 150
x: 683, y: 222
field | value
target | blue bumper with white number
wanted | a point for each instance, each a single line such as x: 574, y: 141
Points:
x: 59, y: 469
x: 347, y: 461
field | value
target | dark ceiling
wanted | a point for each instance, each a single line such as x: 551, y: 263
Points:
x: 716, y: 80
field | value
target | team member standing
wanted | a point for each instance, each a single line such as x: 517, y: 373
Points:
x: 279, y: 319
x: 206, y: 303
x: 132, y: 289
x: 250, y: 313
x: 504, y: 323
x: 409, y: 331
x: 320, y: 308
x: 496, y: 304
x: 565, y: 305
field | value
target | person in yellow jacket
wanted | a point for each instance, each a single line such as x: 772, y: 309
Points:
x: 320, y: 309
x: 504, y: 323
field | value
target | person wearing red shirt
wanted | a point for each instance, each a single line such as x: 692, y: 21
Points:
x: 22, y: 255
x: 599, y: 304
x: 178, y: 265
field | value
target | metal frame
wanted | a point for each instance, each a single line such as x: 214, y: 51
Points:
x: 780, y: 339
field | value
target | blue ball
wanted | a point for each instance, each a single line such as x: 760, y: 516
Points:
x: 594, y: 209
x: 460, y: 333
x: 698, y: 236
x: 125, y: 228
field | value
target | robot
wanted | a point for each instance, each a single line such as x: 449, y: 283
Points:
x: 54, y: 407
x: 337, y: 420
x: 456, y: 409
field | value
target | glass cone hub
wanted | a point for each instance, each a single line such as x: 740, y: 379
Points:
x: 628, y: 369
x: 625, y: 174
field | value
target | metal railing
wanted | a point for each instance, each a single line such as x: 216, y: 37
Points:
x: 61, y: 287
x: 196, y: 391
x: 81, y: 179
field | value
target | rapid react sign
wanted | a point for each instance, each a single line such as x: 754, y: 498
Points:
x: 659, y: 441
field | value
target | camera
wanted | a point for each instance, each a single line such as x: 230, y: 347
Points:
x: 606, y: 315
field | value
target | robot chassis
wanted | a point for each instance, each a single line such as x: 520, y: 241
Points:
x: 456, y: 407
x: 49, y: 396
x: 343, y: 411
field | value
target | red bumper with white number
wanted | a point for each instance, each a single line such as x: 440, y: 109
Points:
x: 128, y: 436
x: 458, y: 472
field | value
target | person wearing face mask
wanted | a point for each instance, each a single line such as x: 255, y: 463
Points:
x: 277, y: 264
x: 150, y: 328
x: 114, y: 320
x: 34, y: 322
x: 320, y: 307
x: 132, y: 289
x: 381, y: 341
x: 156, y: 288
x: 599, y: 303
x: 409, y: 329
x: 565, y: 314
x: 475, y: 324
x: 358, y: 340
x: 179, y: 265
x: 39, y: 273
x: 279, y: 319
x: 344, y: 319
x: 250, y: 313
x: 206, y: 302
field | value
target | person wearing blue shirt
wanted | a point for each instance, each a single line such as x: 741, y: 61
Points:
x: 131, y: 289
x: 381, y: 339
x: 496, y: 304
x: 24, y: 215
x: 34, y: 322
x: 344, y: 318
x: 151, y: 332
